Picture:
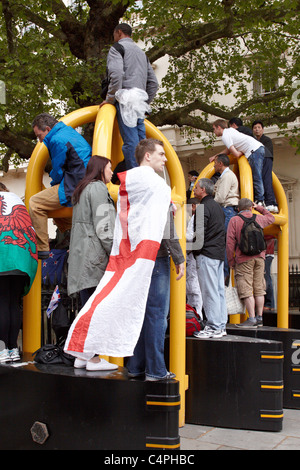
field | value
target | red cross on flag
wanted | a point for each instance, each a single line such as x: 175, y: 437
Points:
x: 110, y: 322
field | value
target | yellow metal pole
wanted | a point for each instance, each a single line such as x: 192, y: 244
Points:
x: 279, y: 229
x: 177, y: 288
x: 283, y: 256
x: 31, y: 330
x: 34, y: 184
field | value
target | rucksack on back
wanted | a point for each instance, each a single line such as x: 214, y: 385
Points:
x: 252, y: 236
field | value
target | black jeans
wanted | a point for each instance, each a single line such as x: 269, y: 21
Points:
x: 269, y: 195
x: 11, y: 290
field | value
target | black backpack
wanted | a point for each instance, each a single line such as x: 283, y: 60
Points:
x: 252, y: 236
x: 105, y: 81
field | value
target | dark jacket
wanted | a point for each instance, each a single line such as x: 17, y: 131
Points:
x: 170, y: 245
x: 209, y: 229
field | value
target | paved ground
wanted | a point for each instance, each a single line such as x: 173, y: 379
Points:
x: 195, y: 437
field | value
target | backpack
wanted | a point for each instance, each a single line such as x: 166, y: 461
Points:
x: 105, y: 81
x: 193, y: 321
x: 252, y: 236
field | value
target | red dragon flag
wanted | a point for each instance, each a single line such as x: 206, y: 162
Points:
x: 110, y: 322
x: 18, y: 251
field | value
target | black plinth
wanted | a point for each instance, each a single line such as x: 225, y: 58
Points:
x: 59, y: 407
x: 290, y: 339
x: 235, y: 382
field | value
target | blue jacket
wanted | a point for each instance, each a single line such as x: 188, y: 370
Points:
x: 69, y: 153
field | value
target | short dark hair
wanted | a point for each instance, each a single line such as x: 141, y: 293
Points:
x: 44, y: 120
x: 4, y: 188
x: 257, y: 122
x: 125, y: 28
x: 223, y: 158
x: 193, y: 173
x: 144, y: 146
x: 235, y: 120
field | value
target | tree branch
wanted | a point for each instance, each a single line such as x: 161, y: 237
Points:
x: 22, y: 146
x: 205, y: 33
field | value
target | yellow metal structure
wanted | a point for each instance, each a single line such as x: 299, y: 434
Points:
x: 279, y: 229
x: 107, y: 142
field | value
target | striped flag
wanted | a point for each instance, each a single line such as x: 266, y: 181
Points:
x: 111, y: 321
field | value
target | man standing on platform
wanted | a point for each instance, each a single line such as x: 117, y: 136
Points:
x: 226, y: 194
x: 129, y: 69
x: 249, y: 269
x: 210, y: 227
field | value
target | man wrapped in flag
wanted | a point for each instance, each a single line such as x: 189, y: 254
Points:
x: 110, y: 322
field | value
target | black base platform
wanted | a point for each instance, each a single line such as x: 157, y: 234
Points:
x: 59, y: 407
x: 290, y: 339
x: 270, y: 319
x: 235, y: 382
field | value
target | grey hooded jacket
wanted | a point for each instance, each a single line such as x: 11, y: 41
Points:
x: 91, y: 237
x: 134, y: 71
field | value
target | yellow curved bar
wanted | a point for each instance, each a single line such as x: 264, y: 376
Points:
x: 108, y: 142
x: 278, y: 229
x: 177, y: 288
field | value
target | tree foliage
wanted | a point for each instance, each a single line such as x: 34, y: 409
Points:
x: 52, y: 58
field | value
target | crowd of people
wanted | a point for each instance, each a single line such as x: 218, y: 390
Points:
x: 97, y: 251
x: 222, y: 219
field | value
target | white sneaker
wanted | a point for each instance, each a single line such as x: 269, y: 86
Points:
x: 79, y: 363
x: 4, y: 356
x: 101, y: 365
x: 14, y: 354
x: 209, y: 333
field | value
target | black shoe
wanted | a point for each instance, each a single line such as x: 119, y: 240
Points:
x: 43, y: 254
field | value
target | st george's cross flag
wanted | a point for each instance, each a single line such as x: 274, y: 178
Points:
x: 111, y: 320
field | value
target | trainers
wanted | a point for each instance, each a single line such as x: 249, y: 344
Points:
x: 273, y: 209
x: 209, y: 333
x: 260, y: 203
x: 259, y: 321
x: 247, y: 324
x: 14, y: 354
x: 169, y: 375
x: 79, y: 363
x: 100, y: 365
x: 4, y: 356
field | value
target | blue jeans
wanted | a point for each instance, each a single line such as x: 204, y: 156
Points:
x: 131, y: 137
x: 229, y: 212
x: 211, y: 279
x: 148, y: 356
x: 256, y: 161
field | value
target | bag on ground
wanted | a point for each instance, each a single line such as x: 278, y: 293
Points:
x: 193, y: 321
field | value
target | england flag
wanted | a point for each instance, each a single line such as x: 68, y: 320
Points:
x: 110, y: 322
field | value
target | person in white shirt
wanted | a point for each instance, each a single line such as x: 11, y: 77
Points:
x: 226, y: 194
x: 238, y: 144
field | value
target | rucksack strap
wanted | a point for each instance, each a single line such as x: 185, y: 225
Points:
x: 119, y: 48
x: 247, y: 219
